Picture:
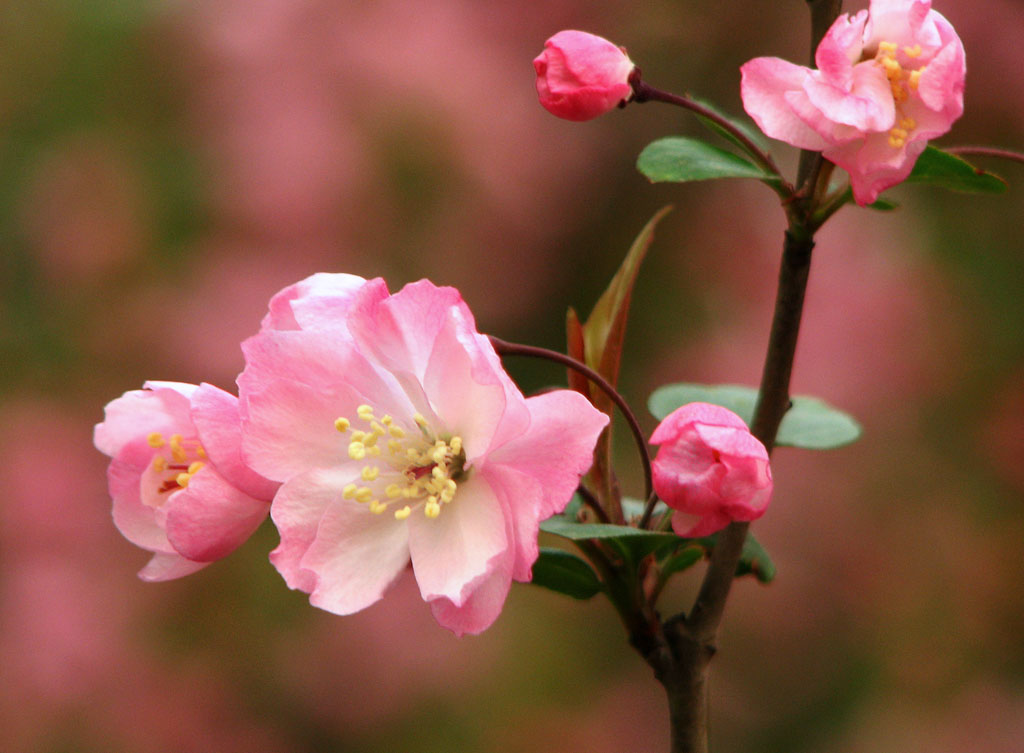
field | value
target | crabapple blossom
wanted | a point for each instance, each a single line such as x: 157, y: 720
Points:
x: 399, y: 437
x: 888, y: 79
x: 710, y: 469
x: 581, y: 75
x: 179, y: 484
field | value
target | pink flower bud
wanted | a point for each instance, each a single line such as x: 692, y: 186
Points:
x: 581, y: 75
x: 710, y: 469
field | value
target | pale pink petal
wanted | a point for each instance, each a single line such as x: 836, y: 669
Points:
x: 165, y: 566
x: 296, y: 511
x: 765, y: 83
x: 695, y: 526
x: 522, y: 498
x: 941, y: 86
x: 136, y: 414
x: 356, y: 554
x: 210, y: 518
x: 399, y: 330
x: 136, y: 522
x: 557, y: 448
x: 867, y: 105
x: 705, y: 413
x: 452, y: 553
x: 481, y: 607
x: 217, y: 421
x: 840, y: 48
x: 319, y: 300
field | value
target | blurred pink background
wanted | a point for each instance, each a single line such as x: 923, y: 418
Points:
x: 166, y: 167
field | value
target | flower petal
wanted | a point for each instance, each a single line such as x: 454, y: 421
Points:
x: 481, y: 607
x: 320, y: 300
x: 136, y: 522
x: 454, y: 552
x: 210, y: 518
x: 134, y: 415
x: 165, y: 566
x: 765, y: 83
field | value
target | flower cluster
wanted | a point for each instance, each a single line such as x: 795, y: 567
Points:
x: 887, y: 80
x: 385, y: 431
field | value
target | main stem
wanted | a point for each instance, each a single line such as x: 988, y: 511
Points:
x: 681, y: 649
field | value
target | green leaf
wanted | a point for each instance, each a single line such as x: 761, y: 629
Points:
x: 810, y: 423
x: 684, y: 559
x: 939, y: 168
x: 754, y: 559
x: 567, y: 529
x: 565, y: 573
x: 678, y: 159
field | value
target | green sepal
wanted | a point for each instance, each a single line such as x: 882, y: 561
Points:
x: 938, y: 168
x: 565, y: 573
x: 678, y: 159
x: 810, y: 423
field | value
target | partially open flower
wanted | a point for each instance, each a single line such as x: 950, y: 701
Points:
x: 399, y: 436
x: 888, y: 79
x: 581, y: 75
x: 179, y: 485
x: 710, y: 469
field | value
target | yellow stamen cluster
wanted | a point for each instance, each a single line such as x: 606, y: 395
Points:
x: 418, y: 469
x: 899, y: 80
x: 185, y: 461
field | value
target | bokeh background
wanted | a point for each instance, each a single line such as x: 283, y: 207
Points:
x: 164, y: 168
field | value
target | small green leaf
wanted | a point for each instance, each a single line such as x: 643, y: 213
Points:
x: 678, y: 159
x: 684, y: 559
x: 567, y: 529
x: 565, y: 573
x: 743, y: 126
x: 939, y: 168
x: 754, y: 560
x: 810, y: 423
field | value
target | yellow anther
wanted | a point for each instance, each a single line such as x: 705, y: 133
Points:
x: 370, y: 473
x: 420, y: 420
x: 409, y: 492
x: 412, y: 453
x: 393, y: 491
x: 915, y: 78
x: 898, y: 133
x: 159, y: 464
x: 404, y: 513
x: 364, y: 494
x: 895, y: 142
x: 349, y: 492
x: 438, y: 454
x: 447, y: 495
x: 377, y: 507
x: 156, y: 439
x: 379, y: 430
x: 386, y: 419
x: 177, y: 450
x: 200, y: 451
x: 912, y: 52
x: 394, y: 446
x: 450, y: 484
x: 899, y: 94
x: 358, y: 436
x: 888, y: 48
x: 194, y: 468
x: 357, y: 451
x: 341, y: 424
x: 365, y: 412
x: 908, y: 123
x: 432, y: 509
x: 369, y: 440
x: 373, y: 452
x: 456, y: 444
x: 182, y: 480
x: 438, y: 472
x: 892, y: 66
x: 397, y: 432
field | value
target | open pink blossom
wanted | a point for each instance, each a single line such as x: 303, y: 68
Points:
x: 399, y: 437
x: 888, y: 79
x: 581, y: 76
x: 710, y: 469
x: 180, y: 487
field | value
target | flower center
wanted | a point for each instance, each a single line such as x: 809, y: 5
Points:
x: 902, y: 80
x: 177, y: 460
x: 406, y: 468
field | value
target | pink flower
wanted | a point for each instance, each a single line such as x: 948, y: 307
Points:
x: 888, y: 80
x: 581, y: 76
x: 180, y: 487
x: 710, y: 469
x: 399, y: 437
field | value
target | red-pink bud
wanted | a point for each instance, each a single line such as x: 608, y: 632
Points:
x: 581, y: 75
x: 710, y: 469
